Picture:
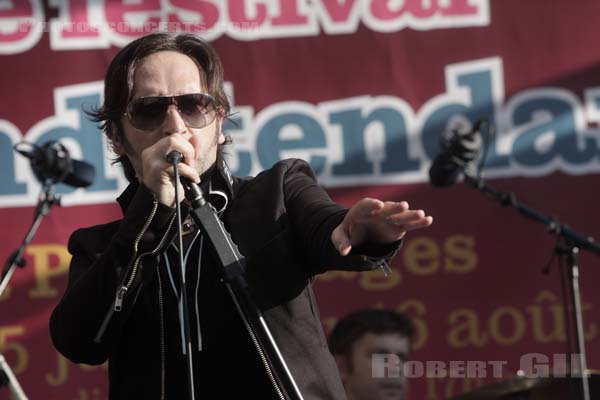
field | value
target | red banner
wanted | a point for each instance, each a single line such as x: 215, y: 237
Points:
x: 362, y: 90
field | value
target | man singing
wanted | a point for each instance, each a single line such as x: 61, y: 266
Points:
x: 164, y: 93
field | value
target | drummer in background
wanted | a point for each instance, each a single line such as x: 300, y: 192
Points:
x: 359, y: 336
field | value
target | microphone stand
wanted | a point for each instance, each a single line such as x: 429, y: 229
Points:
x: 232, y: 270
x: 8, y: 378
x: 174, y: 158
x: 572, y: 243
x: 46, y: 200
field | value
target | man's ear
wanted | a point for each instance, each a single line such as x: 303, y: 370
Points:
x: 116, y: 140
x: 221, y: 138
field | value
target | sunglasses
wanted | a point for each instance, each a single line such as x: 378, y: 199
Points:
x: 148, y: 113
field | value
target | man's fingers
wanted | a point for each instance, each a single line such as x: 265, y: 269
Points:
x: 372, y: 220
x: 406, y: 216
x: 420, y: 223
x: 392, y: 207
x: 341, y: 241
x: 369, y: 205
x: 187, y: 172
x: 176, y: 142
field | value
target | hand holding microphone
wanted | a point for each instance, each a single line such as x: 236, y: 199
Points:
x: 158, y: 173
x: 192, y: 190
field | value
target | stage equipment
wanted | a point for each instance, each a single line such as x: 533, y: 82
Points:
x: 457, y: 163
x: 527, y: 388
x: 232, y: 268
x: 51, y: 164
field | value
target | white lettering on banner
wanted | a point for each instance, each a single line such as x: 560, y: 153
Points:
x: 72, y: 29
x: 93, y: 24
x: 20, y: 26
x: 354, y: 141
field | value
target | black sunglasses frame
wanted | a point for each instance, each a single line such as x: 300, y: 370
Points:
x: 206, y: 110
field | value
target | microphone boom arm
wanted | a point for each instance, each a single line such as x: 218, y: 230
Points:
x: 552, y: 224
x: 573, y: 240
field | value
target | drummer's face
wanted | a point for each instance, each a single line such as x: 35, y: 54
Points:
x: 360, y: 375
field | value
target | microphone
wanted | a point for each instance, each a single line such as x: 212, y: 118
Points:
x: 174, y: 157
x: 52, y: 161
x: 459, y: 150
x: 192, y: 190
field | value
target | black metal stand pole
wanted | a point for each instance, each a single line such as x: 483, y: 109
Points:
x: 575, y: 241
x: 46, y: 200
x: 232, y: 271
x: 8, y: 378
x: 578, y: 315
x: 183, y: 304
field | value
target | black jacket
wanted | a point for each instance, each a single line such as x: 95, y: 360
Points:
x: 281, y: 221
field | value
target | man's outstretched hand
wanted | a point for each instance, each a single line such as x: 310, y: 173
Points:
x: 377, y: 222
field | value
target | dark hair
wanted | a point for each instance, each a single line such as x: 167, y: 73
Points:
x: 353, y: 326
x: 118, y: 83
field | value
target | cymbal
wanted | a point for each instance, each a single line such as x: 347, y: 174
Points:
x: 533, y: 388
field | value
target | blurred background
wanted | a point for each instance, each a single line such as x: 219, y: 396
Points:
x: 363, y: 90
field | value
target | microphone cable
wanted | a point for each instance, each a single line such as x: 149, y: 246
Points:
x: 175, y: 158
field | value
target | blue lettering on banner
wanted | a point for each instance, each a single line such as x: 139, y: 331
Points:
x: 353, y: 141
x: 9, y: 186
x: 292, y: 130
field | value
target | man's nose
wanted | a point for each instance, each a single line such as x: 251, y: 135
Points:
x: 173, y: 122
